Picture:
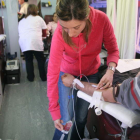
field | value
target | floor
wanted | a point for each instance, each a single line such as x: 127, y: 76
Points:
x: 24, y: 114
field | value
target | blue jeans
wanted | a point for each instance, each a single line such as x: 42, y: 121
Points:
x: 66, y: 108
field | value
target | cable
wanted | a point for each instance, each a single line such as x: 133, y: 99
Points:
x: 74, y: 104
x: 74, y: 116
x: 68, y: 103
x: 73, y: 95
x: 84, y: 76
x: 74, y: 108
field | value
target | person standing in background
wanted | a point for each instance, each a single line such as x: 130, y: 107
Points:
x: 32, y: 29
x: 23, y: 6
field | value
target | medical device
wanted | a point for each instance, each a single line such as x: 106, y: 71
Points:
x: 12, y: 69
x: 12, y: 65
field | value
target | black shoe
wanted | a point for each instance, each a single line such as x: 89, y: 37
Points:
x: 44, y: 79
x: 30, y: 79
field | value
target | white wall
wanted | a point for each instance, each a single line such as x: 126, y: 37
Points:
x: 48, y: 10
x: 11, y: 26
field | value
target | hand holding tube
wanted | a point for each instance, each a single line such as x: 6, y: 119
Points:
x: 67, y: 79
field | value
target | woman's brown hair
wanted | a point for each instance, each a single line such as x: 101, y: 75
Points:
x: 32, y: 10
x: 67, y: 10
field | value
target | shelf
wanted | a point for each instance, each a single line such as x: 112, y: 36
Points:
x: 45, y: 4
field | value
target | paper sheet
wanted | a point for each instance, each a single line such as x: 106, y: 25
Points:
x: 128, y: 64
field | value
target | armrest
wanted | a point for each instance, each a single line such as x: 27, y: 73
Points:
x: 118, y: 111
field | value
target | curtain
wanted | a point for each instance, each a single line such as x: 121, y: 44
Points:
x: 138, y: 33
x: 111, y: 12
x: 126, y: 27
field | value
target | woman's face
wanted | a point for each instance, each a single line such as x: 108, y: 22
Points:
x: 73, y: 27
x: 55, y: 18
x: 21, y: 1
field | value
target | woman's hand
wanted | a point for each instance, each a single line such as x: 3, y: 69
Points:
x: 58, y: 124
x: 106, y: 80
x: 67, y: 79
x: 48, y: 33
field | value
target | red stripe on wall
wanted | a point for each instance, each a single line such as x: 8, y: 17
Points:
x: 133, y: 93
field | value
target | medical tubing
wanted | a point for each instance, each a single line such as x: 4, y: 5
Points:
x: 74, y: 108
x: 74, y: 116
x: 73, y: 95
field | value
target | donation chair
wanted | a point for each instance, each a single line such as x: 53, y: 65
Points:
x: 48, y: 18
x: 115, y: 123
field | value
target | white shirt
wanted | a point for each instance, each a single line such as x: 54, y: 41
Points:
x: 30, y: 33
x: 24, y: 7
x: 51, y: 26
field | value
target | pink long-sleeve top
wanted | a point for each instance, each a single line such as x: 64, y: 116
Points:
x: 52, y: 26
x: 83, y: 61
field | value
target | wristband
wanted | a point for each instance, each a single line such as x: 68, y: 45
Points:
x: 111, y: 68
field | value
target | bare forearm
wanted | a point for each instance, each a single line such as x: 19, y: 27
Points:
x: 106, y: 93
x: 68, y: 81
x: 88, y: 88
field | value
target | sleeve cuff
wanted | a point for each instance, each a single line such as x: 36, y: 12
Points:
x: 113, y: 59
x: 55, y: 115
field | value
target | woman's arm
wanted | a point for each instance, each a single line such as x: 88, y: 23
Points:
x: 53, y: 74
x: 106, y: 80
x: 111, y: 46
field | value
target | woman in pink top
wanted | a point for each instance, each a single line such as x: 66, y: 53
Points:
x: 75, y: 49
x: 51, y: 26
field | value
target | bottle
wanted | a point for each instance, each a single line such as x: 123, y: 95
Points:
x: 3, y: 3
x: 49, y: 3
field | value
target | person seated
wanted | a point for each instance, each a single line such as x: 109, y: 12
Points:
x: 51, y: 26
x: 126, y: 93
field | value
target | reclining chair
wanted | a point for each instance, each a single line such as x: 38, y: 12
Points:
x: 119, y: 122
x: 47, y: 19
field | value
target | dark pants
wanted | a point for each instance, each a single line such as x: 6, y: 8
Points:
x: 29, y: 64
